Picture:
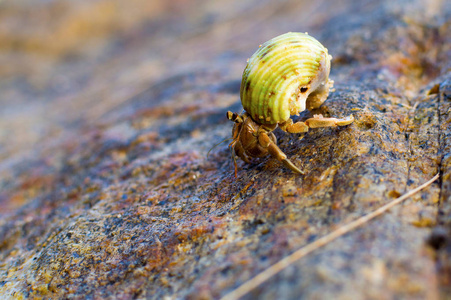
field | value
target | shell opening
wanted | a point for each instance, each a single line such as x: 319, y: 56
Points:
x: 298, y: 100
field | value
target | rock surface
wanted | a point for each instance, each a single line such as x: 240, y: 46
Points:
x: 108, y: 112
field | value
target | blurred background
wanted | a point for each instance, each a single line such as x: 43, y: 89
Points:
x: 68, y: 67
x: 66, y: 62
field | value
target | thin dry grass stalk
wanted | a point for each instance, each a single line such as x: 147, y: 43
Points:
x: 282, y: 264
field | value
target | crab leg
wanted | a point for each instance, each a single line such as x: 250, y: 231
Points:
x: 265, y: 141
x: 239, y: 150
x: 320, y: 121
x: 315, y: 122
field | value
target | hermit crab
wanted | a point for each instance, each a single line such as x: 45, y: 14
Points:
x: 285, y: 76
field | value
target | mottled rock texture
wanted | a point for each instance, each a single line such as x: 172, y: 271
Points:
x: 108, y: 111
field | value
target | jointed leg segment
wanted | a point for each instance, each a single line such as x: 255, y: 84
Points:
x: 265, y: 141
x: 252, y: 139
x: 315, y: 122
x: 291, y: 127
x: 319, y: 121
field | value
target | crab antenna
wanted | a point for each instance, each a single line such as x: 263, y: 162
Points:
x: 216, y: 145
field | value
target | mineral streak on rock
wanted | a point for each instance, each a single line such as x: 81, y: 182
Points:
x: 106, y: 190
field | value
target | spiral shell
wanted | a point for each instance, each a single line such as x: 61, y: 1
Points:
x: 286, y: 75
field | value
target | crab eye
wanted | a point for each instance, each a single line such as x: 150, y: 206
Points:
x: 234, y: 117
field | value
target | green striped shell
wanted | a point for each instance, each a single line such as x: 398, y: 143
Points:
x: 286, y: 75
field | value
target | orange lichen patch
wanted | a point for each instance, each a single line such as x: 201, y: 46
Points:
x: 394, y: 194
x: 192, y: 232
x: 425, y: 222
x: 30, y: 187
x: 260, y: 205
x: 156, y: 260
x: 366, y: 120
x: 36, y: 182
x: 400, y: 64
x: 397, y: 117
x: 418, y: 57
x: 9, y: 203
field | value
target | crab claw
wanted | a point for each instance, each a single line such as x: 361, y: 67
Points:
x: 319, y: 121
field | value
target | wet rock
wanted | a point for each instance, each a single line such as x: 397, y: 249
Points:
x: 106, y: 189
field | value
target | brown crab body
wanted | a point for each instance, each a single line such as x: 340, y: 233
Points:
x: 247, y: 145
